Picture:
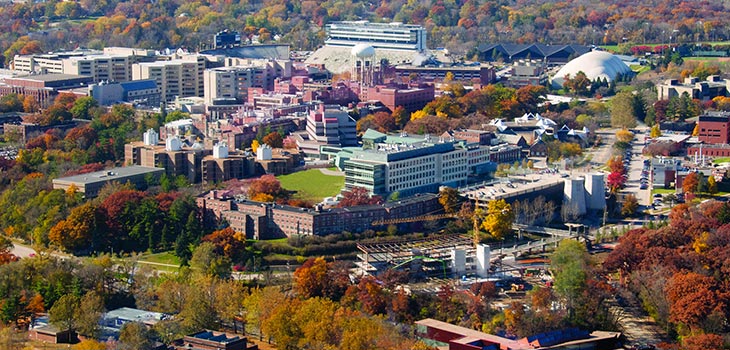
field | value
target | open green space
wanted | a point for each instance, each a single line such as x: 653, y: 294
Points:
x: 638, y: 69
x: 663, y: 191
x: 721, y: 160
x: 312, y: 184
x: 161, y: 258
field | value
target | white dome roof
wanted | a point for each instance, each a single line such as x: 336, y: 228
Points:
x: 363, y: 50
x: 595, y: 64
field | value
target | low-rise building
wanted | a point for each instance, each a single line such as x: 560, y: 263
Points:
x: 91, y: 183
x: 211, y: 340
x: 528, y: 72
x: 481, y: 73
x: 327, y: 126
x: 411, y: 98
x: 270, y: 220
x: 141, y: 92
x: 702, y: 90
x: 43, y: 87
x: 664, y: 171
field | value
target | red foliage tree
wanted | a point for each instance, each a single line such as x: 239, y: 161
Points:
x: 227, y: 242
x: 113, y: 206
x: 703, y: 342
x: 615, y: 181
x: 274, y: 140
x: 85, y: 169
x: 268, y: 185
x: 693, y: 297
x: 358, y: 196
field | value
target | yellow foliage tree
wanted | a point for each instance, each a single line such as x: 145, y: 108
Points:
x: 89, y: 344
x: 655, y: 131
x: 255, y: 145
x: 499, y: 218
x: 624, y: 135
x: 418, y: 115
x: 262, y: 197
x: 696, y: 131
x: 711, y: 185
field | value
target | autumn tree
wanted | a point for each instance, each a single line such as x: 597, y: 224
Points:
x: 91, y: 308
x: 711, y: 185
x: 310, y: 278
x: 274, y: 140
x: 449, y: 199
x: 498, y: 218
x: 135, y: 336
x: 64, y: 313
x: 624, y: 135
x: 227, y: 242
x: 630, y: 205
x: 358, y: 196
x: 75, y: 231
x: 691, y: 182
x: 655, y: 131
x: 207, y: 261
x: 693, y: 297
x: 255, y: 145
x: 577, y: 85
x: 6, y: 246
x: 266, y: 187
x: 703, y: 342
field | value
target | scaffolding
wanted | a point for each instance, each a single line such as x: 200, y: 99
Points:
x: 433, y: 254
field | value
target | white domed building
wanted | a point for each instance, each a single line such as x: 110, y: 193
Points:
x: 595, y: 65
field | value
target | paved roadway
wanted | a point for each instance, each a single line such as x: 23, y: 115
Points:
x: 22, y: 251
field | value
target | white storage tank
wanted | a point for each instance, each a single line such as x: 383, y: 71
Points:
x: 264, y: 152
x: 574, y: 195
x: 220, y: 151
x: 596, y: 191
x: 173, y: 144
x: 150, y: 138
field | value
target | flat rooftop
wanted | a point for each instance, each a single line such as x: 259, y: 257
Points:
x: 108, y: 175
x: 516, y: 185
x: 52, y: 77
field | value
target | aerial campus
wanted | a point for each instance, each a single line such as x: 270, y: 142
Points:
x: 349, y: 175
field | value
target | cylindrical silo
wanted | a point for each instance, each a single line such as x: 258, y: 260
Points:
x: 596, y: 191
x: 574, y: 195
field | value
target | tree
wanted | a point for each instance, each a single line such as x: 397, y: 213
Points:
x: 135, y: 336
x: 82, y: 106
x: 449, y: 199
x: 267, y: 184
x: 568, y: 264
x: 89, y: 344
x: 655, y: 131
x: 10, y: 339
x: 30, y: 104
x: 631, y: 204
x: 400, y: 116
x: 255, y: 145
x: 626, y: 108
x: 703, y: 342
x: 311, y: 278
x: 75, y: 232
x: 624, y: 135
x: 499, y: 218
x: 227, y: 242
x: 578, y: 84
x: 274, y: 140
x: 358, y: 196
x: 206, y: 260
x: 692, y: 297
x: 176, y: 115
x: 91, y: 308
x: 64, y: 313
x: 615, y: 181
x: 711, y: 185
x: 691, y: 183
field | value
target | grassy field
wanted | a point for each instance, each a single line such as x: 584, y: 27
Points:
x: 161, y: 258
x: 721, y: 160
x: 638, y: 69
x: 312, y: 185
x: 663, y: 191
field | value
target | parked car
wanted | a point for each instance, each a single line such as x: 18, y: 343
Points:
x: 644, y: 186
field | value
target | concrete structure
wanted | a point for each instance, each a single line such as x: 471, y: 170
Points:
x: 595, y: 185
x: 181, y: 77
x: 43, y: 87
x: 100, y: 68
x: 225, y: 38
x: 363, y: 65
x: 702, y: 90
x: 117, y: 318
x: 575, y: 197
x: 408, y: 165
x: 210, y: 340
x: 175, y: 159
x: 90, y: 184
x: 483, y: 255
x: 269, y: 220
x: 392, y: 36
x: 141, y: 92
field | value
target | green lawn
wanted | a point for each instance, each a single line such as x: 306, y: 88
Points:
x: 721, y: 160
x: 638, y: 69
x: 161, y: 258
x: 663, y: 191
x: 312, y: 185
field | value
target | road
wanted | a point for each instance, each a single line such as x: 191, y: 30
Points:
x: 22, y: 251
x: 636, y: 165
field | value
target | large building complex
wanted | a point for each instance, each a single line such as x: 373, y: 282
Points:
x: 181, y: 77
x: 392, y: 36
x: 234, y: 80
x: 140, y: 92
x: 43, y: 87
x: 408, y: 165
x: 269, y: 220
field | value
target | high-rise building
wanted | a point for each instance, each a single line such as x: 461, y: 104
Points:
x: 176, y: 78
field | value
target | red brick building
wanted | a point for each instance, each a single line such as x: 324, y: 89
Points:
x: 269, y: 220
x: 43, y: 87
x: 714, y: 128
x: 209, y: 340
x: 412, y: 98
